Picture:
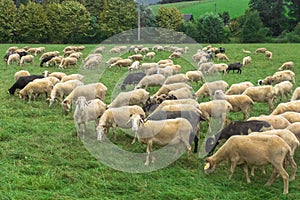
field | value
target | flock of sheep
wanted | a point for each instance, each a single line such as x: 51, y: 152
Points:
x: 173, y: 114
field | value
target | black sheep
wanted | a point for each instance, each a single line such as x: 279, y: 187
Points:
x: 46, y: 59
x: 22, y: 82
x: 131, y: 79
x: 234, y: 66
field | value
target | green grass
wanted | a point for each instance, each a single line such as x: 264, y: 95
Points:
x: 41, y: 157
x: 235, y: 8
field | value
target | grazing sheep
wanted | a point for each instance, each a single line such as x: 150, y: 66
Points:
x: 72, y: 77
x: 175, y: 55
x: 177, y: 78
x: 47, y: 54
x: 53, y: 80
x: 76, y: 55
x: 22, y: 81
x: 115, y: 50
x: 87, y: 111
x: 132, y: 79
x: 112, y: 60
x: 20, y: 73
x: 194, y: 76
x: 269, y: 55
x: 151, y: 80
x: 235, y: 128
x: 222, y: 56
x: 234, y: 66
x: 134, y: 66
x: 146, y: 66
x: 136, y: 57
x: 291, y: 116
x: 238, y: 88
x: 246, y: 51
x: 208, y: 89
x: 150, y: 55
x: 264, y: 93
x: 191, y: 102
x: 63, y: 89
x: 295, y: 128
x: 134, y: 97
x: 91, y: 63
x: 54, y: 61
x: 239, y: 102
x: 34, y: 88
x: 260, y: 50
x: 165, y: 89
x: 119, y: 117
x: 182, y: 93
x: 100, y: 49
x: 89, y: 91
x: 67, y: 62
x: 296, y: 94
x: 277, y: 77
x: 58, y: 75
x: 220, y: 67
x: 204, y: 67
x: 122, y: 63
x: 247, y: 60
x: 283, y: 89
x: 13, y: 58
x: 46, y: 59
x: 288, y: 106
x: 153, y: 102
x: 164, y: 132
x: 256, y: 150
x: 26, y: 59
x: 277, y: 121
x: 287, y: 65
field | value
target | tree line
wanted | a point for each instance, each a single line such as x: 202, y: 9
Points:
x: 92, y: 21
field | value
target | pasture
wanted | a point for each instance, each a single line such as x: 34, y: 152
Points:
x: 198, y: 8
x: 42, y: 158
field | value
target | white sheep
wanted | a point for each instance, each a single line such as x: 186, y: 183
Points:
x: 220, y: 67
x: 151, y: 80
x: 182, y: 93
x: 165, y: 89
x: 122, y: 63
x: 177, y: 78
x: 208, y: 89
x: 291, y: 116
x: 67, y: 62
x: 277, y: 121
x: 134, y: 97
x: 204, y: 67
x: 238, y: 88
x: 26, y: 59
x: 13, y: 58
x: 86, y: 111
x: 287, y: 65
x: 63, y: 89
x: 295, y: 128
x: 283, y: 89
x: 134, y: 66
x: 195, y: 76
x: 112, y: 60
x: 58, y: 75
x: 54, y: 61
x: 136, y: 57
x: 247, y: 60
x: 296, y: 94
x: 288, y: 106
x: 260, y: 50
x: 269, y: 55
x: 222, y: 56
x: 34, y: 88
x: 150, y: 55
x: 20, y: 73
x: 72, y: 77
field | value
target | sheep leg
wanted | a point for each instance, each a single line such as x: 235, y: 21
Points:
x: 253, y: 171
x: 245, y: 167
x: 149, y: 143
x: 291, y: 160
x: 135, y: 136
x: 232, y: 168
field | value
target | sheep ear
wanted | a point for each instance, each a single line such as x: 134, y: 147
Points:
x: 207, y: 166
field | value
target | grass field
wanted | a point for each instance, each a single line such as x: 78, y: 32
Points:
x: 198, y: 8
x: 41, y: 157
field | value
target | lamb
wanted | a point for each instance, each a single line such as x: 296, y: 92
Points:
x: 20, y: 73
x: 151, y: 80
x: 216, y: 109
x: 247, y: 60
x: 131, y: 79
x: 13, y: 58
x: 283, y: 89
x: 72, y: 77
x: 288, y: 106
x: 220, y: 67
x: 296, y: 94
x: 21, y: 82
x: 269, y: 55
x: 194, y: 76
x: 177, y: 78
x: 26, y: 59
x: 287, y: 65
x: 291, y: 116
x: 136, y: 57
x: 277, y: 121
x: 63, y: 89
x: 260, y: 50
x: 122, y: 63
x: 87, y: 111
x: 209, y: 88
x: 165, y: 89
x: 257, y: 150
x: 89, y: 91
x: 265, y: 93
x: 238, y: 88
x: 134, y: 97
x: 295, y: 128
x: 239, y: 102
x: 67, y: 62
x: 164, y: 132
x: 34, y: 88
x: 118, y: 117
x: 134, y: 65
x: 222, y: 56
x: 235, y: 128
x: 54, y: 61
x: 234, y: 66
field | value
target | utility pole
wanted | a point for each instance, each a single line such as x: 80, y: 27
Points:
x: 215, y: 8
x: 139, y: 22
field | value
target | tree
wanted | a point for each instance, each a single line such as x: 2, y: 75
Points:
x: 169, y: 18
x: 190, y: 29
x: 211, y: 29
x: 293, y: 12
x: 117, y: 16
x: 272, y: 13
x: 252, y: 28
x: 8, y: 12
x: 147, y: 16
x: 31, y: 23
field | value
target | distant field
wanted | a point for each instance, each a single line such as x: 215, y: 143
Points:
x: 41, y: 157
x: 235, y: 8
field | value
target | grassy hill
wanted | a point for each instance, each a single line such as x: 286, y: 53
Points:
x: 235, y: 8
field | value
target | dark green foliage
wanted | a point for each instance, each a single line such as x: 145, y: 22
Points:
x: 8, y: 14
x: 147, y: 16
x: 169, y: 18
